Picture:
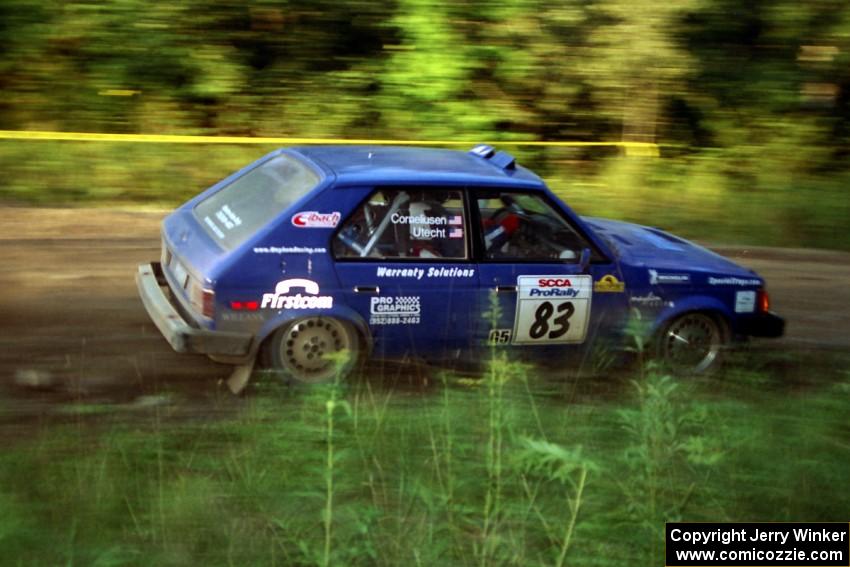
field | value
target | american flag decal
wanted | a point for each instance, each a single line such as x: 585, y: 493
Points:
x: 456, y: 220
x: 456, y: 233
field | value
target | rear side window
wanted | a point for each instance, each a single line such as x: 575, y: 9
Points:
x: 405, y: 223
x: 239, y: 209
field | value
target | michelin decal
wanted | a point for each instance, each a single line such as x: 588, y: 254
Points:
x: 656, y: 278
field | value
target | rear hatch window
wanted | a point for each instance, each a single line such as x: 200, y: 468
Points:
x: 236, y: 211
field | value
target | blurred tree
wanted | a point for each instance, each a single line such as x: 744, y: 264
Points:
x: 428, y: 86
x: 746, y: 97
x: 633, y: 60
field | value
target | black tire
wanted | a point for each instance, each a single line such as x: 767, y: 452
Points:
x: 692, y: 344
x: 299, y: 351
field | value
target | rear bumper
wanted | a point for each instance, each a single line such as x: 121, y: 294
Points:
x: 181, y: 335
x: 768, y: 325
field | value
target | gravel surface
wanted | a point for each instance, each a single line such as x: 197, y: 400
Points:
x: 74, y: 329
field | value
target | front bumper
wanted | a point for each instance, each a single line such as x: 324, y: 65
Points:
x: 768, y: 325
x: 180, y: 334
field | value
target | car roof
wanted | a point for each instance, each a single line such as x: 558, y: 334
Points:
x: 394, y: 165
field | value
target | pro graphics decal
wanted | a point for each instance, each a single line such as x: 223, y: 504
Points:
x: 396, y: 310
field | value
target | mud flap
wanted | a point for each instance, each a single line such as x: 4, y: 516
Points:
x: 240, y: 377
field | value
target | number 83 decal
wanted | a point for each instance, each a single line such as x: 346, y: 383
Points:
x: 540, y: 326
x: 552, y: 309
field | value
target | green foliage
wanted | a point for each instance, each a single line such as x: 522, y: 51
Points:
x: 494, y: 472
x: 749, y: 101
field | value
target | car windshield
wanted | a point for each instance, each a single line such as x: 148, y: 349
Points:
x: 238, y: 210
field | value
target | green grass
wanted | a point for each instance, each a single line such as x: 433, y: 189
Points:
x: 506, y: 470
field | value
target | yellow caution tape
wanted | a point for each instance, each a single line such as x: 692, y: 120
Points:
x: 632, y: 148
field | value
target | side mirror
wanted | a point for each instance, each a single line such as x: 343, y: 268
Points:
x: 584, y: 262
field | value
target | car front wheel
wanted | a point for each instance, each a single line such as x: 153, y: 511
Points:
x: 314, y: 350
x: 692, y: 343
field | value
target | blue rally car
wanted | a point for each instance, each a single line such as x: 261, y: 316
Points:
x: 396, y: 251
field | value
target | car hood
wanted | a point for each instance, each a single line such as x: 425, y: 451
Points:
x: 654, y: 248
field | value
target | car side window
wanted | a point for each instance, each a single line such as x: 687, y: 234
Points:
x: 525, y: 227
x: 405, y: 223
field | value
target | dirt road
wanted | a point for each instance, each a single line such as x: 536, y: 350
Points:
x: 73, y: 324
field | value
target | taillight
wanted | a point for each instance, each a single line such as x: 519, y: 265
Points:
x: 208, y: 303
x: 763, y: 301
x: 246, y: 305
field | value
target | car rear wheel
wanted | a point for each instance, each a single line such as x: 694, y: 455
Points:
x: 692, y: 343
x: 314, y: 350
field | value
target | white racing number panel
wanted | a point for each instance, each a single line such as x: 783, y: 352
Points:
x: 552, y: 309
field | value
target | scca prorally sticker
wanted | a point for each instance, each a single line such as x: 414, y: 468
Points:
x: 282, y: 298
x: 552, y: 309
x: 656, y: 278
x: 745, y: 302
x: 395, y: 310
x: 609, y: 284
x: 733, y: 281
x: 313, y: 219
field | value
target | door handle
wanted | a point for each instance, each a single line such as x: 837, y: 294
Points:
x: 367, y: 289
x: 505, y: 289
